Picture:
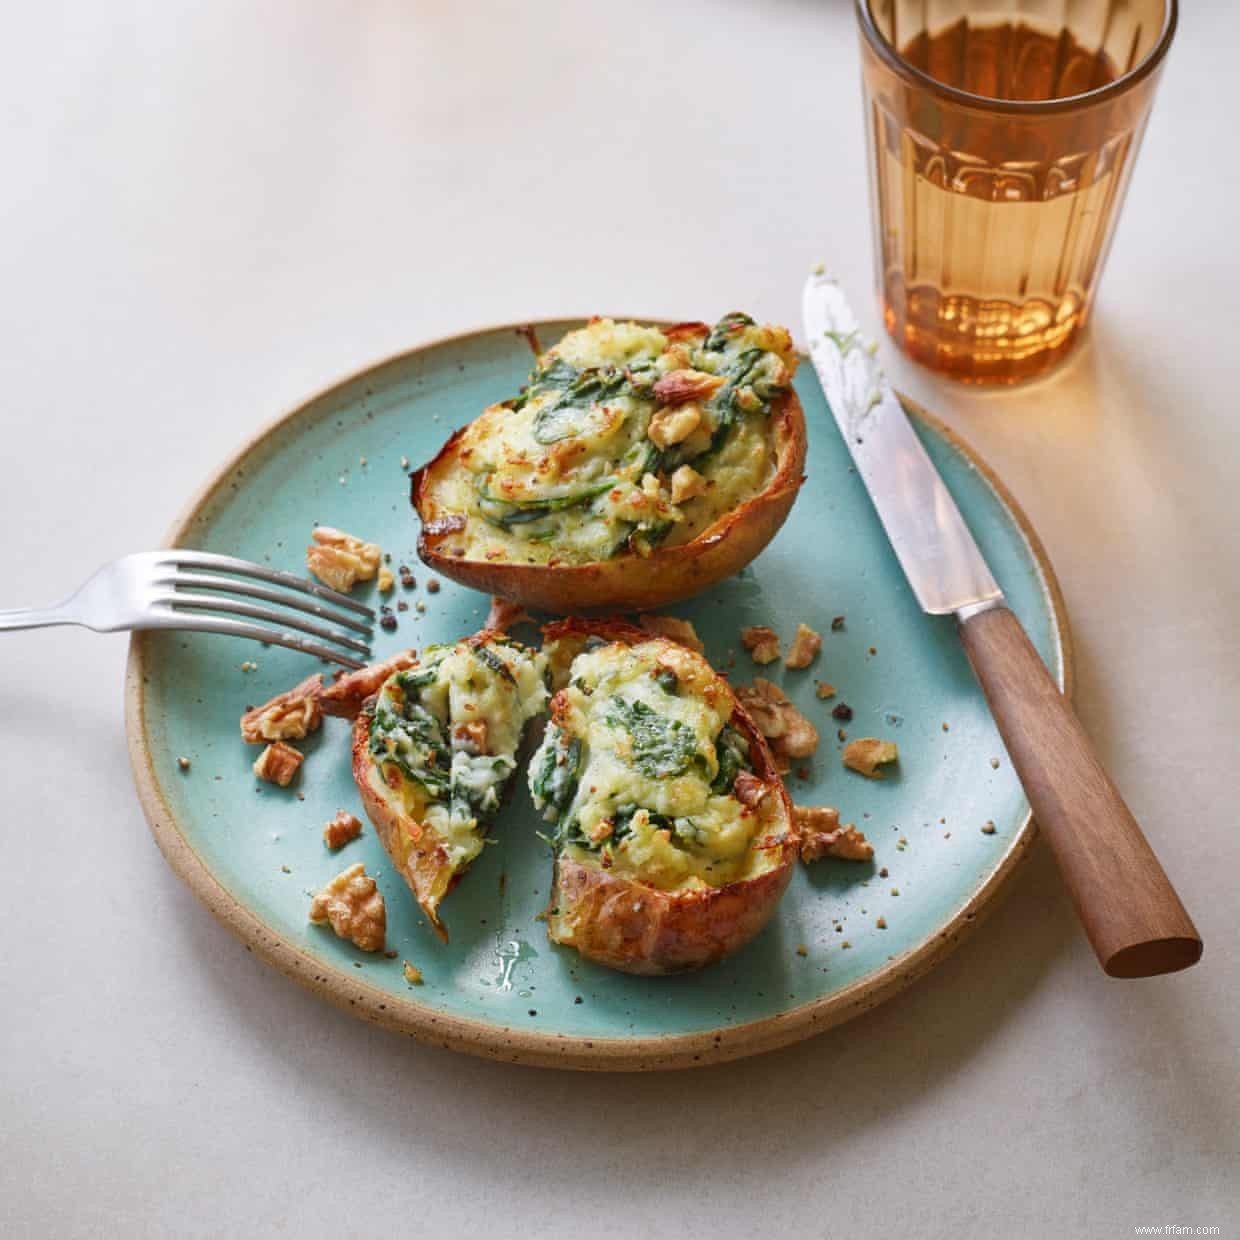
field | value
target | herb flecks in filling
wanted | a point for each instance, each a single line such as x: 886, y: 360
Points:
x: 444, y: 734
x: 637, y: 769
x: 578, y: 467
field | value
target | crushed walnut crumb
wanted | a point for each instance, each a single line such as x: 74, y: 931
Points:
x: 183, y: 763
x: 867, y: 754
x: 791, y: 735
x: 881, y: 923
x: 994, y: 762
x: 287, y: 717
x: 413, y: 975
x: 822, y: 835
x: 387, y: 581
x: 673, y: 628
x: 988, y: 828
x: 805, y: 647
x: 343, y: 828
x: 802, y: 950
x: 339, y: 560
x: 432, y: 585
x: 762, y: 643
x: 837, y: 623
x: 824, y: 690
x: 278, y: 763
x: 354, y: 906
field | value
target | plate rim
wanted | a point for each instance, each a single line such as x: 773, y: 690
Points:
x: 548, y: 1049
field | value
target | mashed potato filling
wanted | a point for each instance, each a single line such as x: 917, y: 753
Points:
x: 637, y: 769
x: 579, y: 467
x: 445, y: 733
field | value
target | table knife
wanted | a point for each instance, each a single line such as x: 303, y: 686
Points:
x: 1134, y: 919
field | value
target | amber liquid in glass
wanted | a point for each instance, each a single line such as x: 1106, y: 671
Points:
x: 993, y: 230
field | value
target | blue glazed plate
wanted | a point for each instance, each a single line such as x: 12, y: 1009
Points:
x: 254, y: 852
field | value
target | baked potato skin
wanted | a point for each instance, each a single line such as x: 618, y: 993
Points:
x: 426, y: 867
x: 627, y: 582
x: 635, y: 928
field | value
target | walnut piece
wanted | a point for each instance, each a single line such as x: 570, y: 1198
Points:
x: 354, y: 906
x: 344, y: 699
x: 805, y: 647
x: 823, y: 689
x: 673, y: 628
x: 687, y: 484
x: 678, y: 386
x: 278, y: 763
x: 339, y: 560
x: 672, y: 426
x: 791, y: 735
x: 290, y: 716
x: 761, y: 642
x: 749, y: 790
x: 343, y: 828
x: 386, y: 580
x: 867, y: 753
x: 823, y: 836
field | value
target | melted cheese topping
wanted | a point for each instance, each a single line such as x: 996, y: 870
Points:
x: 578, y: 468
x: 445, y: 734
x: 628, y: 763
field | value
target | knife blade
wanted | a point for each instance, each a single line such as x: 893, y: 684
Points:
x: 1133, y: 917
x: 929, y: 536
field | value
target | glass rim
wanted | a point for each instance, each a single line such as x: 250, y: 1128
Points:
x: 891, y: 56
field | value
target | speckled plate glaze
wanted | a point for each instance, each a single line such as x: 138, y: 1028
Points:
x: 254, y: 853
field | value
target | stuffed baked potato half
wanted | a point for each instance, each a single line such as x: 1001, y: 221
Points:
x: 639, y: 466
x: 433, y: 749
x: 674, y: 835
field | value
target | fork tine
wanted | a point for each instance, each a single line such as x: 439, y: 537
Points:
x: 283, y: 598
x: 181, y: 601
x: 243, y: 568
x: 198, y: 623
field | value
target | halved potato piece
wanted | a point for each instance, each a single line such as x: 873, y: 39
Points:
x: 433, y: 749
x: 638, y: 467
x: 674, y: 834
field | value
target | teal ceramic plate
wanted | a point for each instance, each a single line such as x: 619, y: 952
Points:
x: 254, y: 853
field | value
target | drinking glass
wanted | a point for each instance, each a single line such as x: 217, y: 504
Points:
x: 1001, y: 138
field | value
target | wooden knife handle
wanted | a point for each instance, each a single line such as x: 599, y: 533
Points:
x: 1129, y: 909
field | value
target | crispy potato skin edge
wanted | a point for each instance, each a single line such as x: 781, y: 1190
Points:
x: 427, y: 863
x: 629, y: 582
x: 626, y: 925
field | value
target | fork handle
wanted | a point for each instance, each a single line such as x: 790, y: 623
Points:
x: 35, y: 617
x: 1130, y: 910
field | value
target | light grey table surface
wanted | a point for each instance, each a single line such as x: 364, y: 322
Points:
x: 211, y: 210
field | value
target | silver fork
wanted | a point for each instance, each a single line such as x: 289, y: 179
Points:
x: 199, y: 590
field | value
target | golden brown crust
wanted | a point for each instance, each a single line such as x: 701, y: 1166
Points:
x: 416, y: 848
x: 626, y: 924
x: 344, y: 699
x: 628, y: 582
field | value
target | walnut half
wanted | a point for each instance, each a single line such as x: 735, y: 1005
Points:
x: 290, y: 716
x: 354, y: 906
x: 823, y: 836
x: 339, y: 560
x: 791, y: 735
